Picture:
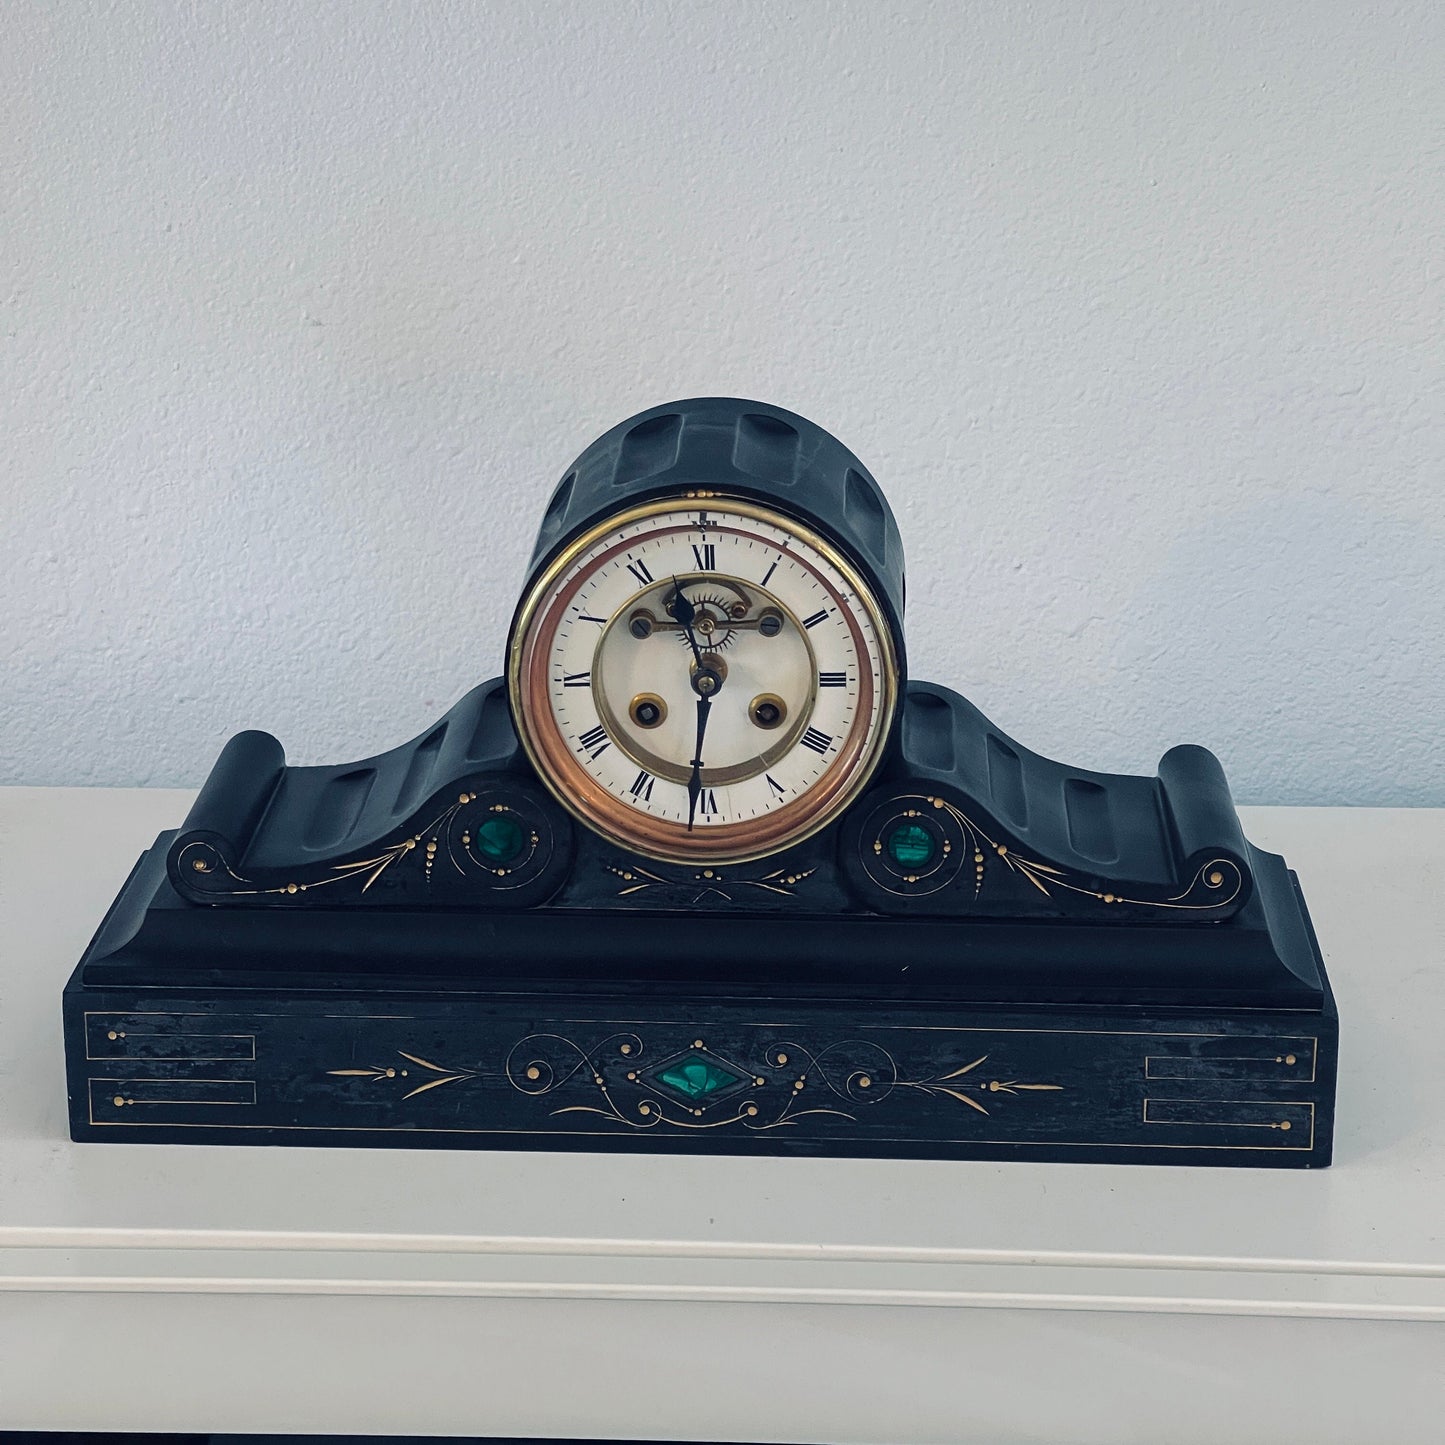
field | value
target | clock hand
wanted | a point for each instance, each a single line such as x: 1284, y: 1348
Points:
x: 694, y: 783
x: 686, y: 614
x: 706, y: 682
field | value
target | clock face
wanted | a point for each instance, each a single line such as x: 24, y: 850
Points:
x: 703, y: 679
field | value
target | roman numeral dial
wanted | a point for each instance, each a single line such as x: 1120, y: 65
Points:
x: 703, y: 686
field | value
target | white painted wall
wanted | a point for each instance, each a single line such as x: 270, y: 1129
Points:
x: 1134, y: 309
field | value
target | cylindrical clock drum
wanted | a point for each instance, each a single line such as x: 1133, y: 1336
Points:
x: 707, y: 660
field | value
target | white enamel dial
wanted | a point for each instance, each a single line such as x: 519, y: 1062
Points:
x: 712, y: 617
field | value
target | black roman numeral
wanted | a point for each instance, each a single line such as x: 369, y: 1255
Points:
x: 576, y: 679
x: 705, y: 555
x: 815, y: 619
x: 707, y: 803
x: 642, y: 786
x: 819, y: 742
x: 639, y: 570
x: 594, y: 742
x: 774, y: 784
x: 832, y: 679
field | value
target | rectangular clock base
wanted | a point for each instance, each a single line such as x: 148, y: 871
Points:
x: 376, y: 1066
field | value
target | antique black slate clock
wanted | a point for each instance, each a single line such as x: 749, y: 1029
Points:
x: 705, y: 872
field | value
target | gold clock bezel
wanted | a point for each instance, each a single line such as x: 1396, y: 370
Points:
x: 607, y: 815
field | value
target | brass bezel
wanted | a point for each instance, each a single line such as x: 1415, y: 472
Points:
x: 634, y: 839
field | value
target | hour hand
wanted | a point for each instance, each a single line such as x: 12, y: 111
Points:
x: 681, y: 605
x: 686, y: 614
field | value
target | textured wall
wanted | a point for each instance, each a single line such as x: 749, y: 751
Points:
x: 1134, y: 309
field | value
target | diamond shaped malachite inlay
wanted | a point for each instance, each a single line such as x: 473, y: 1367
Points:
x: 696, y: 1078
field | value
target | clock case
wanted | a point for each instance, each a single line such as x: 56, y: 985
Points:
x: 989, y: 955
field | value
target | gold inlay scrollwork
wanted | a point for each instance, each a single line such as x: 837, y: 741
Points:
x: 1215, y: 884
x: 379, y: 1072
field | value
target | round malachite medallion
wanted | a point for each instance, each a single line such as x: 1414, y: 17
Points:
x: 911, y: 846
x: 500, y: 839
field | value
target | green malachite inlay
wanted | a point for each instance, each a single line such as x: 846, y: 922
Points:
x: 911, y: 845
x: 499, y: 839
x: 695, y: 1077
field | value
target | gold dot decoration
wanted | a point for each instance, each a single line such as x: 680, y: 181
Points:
x: 1216, y: 878
x: 865, y: 1082
x: 533, y: 1072
x: 625, y: 1049
x: 1285, y: 1124
x: 201, y: 866
x: 118, y: 1101
x: 644, y: 1108
x: 291, y: 888
x: 391, y: 1073
x: 698, y: 1044
x: 752, y: 1110
x: 1289, y: 1059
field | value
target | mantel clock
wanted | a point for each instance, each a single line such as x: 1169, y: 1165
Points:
x: 705, y: 871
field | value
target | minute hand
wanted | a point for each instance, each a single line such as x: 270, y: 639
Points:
x: 694, y: 783
x: 685, y: 612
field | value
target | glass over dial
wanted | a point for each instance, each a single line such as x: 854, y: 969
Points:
x: 703, y: 679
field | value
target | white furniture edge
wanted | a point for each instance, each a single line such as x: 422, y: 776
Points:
x: 162, y: 1261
